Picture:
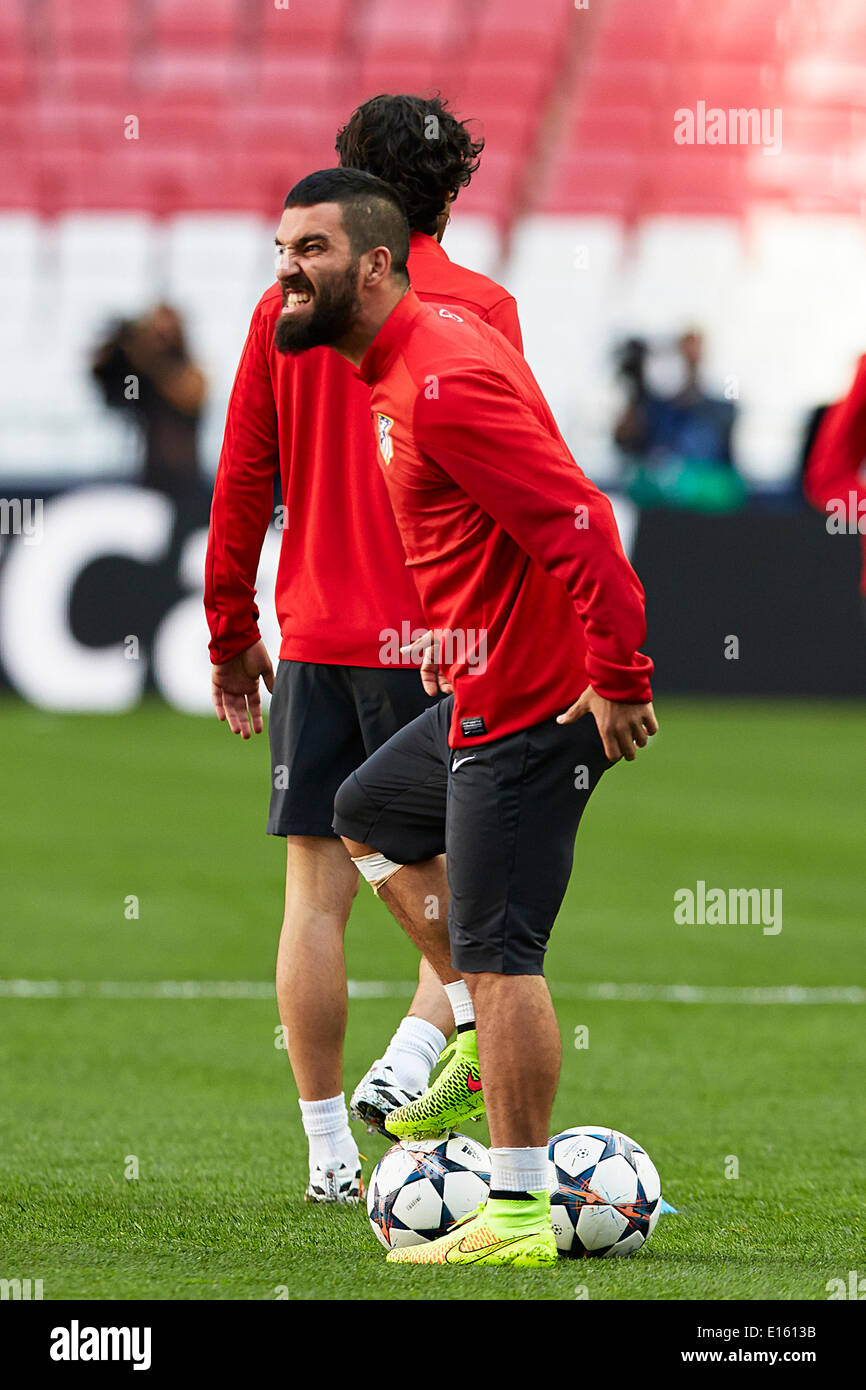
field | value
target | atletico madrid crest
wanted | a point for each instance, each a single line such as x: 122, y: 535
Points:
x: 386, y: 443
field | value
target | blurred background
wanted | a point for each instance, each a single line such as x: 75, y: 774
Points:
x: 692, y: 290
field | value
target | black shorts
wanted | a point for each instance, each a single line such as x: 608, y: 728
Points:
x: 323, y: 722
x: 505, y: 813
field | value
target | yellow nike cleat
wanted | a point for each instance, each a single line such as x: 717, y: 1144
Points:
x: 449, y: 1101
x: 502, y: 1233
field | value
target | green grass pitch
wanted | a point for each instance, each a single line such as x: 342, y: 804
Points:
x: 171, y: 809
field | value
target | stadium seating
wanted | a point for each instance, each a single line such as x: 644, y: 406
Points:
x: 101, y: 29
x: 234, y: 100
x: 301, y: 27
x: 197, y: 25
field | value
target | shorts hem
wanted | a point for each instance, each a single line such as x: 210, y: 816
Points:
x: 352, y: 830
x: 482, y: 965
x: 299, y: 828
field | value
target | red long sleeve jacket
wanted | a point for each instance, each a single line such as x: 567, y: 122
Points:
x: 342, y: 581
x: 515, y: 552
x: 835, y: 474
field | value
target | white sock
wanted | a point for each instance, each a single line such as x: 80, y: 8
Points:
x: 413, y: 1052
x: 461, y: 1002
x: 326, y: 1125
x: 521, y: 1170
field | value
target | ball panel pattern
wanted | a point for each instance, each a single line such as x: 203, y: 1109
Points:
x: 608, y: 1192
x: 418, y: 1190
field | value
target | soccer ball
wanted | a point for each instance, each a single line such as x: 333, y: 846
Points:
x: 420, y: 1188
x: 608, y: 1193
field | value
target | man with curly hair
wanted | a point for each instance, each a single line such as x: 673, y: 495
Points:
x: 346, y: 603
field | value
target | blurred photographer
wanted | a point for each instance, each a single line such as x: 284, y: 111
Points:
x: 676, y: 445
x: 144, y: 367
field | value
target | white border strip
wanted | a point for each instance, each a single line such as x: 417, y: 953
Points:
x: 396, y: 989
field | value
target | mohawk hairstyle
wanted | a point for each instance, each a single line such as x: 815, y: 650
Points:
x: 372, y: 212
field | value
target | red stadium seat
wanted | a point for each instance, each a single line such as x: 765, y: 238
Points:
x: 86, y: 128
x: 18, y: 131
x: 612, y: 128
x: 492, y: 193
x: 305, y: 26
x: 695, y: 181
x: 258, y: 181
x: 175, y: 181
x: 16, y: 79
x: 807, y: 182
x: 282, y: 130
x: 621, y: 83
x: 296, y: 83
x: 196, y: 25
x: 195, y: 80
x: 13, y: 43
x: 431, y: 25
x: 19, y: 155
x: 825, y: 130
x: 738, y: 31
x: 187, y: 181
x: 100, y: 29
x: 723, y: 85
x: 69, y: 180
x: 479, y: 87
x: 590, y: 182
x: 397, y: 32
x: 178, y: 126
x: 19, y: 182
x: 417, y: 76
x: 135, y: 178
x: 507, y: 27
x: 632, y: 29
x: 507, y: 131
x: 83, y: 79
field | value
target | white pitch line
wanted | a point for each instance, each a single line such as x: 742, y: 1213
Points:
x: 396, y: 989
x: 718, y: 994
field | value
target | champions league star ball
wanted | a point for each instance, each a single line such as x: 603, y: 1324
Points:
x: 608, y: 1193
x: 420, y: 1188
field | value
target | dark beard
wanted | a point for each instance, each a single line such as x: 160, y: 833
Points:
x: 335, y: 308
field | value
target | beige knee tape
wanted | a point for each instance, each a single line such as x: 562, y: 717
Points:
x: 376, y: 869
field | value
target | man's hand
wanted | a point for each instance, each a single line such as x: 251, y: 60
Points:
x: 235, y: 689
x: 431, y: 677
x: 623, y: 728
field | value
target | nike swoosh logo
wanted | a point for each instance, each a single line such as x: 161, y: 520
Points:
x: 473, y: 1084
x: 461, y: 761
x: 478, y: 1254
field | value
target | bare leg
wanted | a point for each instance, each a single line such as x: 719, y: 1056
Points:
x: 431, y: 1001
x: 418, y: 898
x: 519, y: 1053
x: 321, y: 882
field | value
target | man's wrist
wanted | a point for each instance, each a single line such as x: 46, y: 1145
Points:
x: 225, y: 651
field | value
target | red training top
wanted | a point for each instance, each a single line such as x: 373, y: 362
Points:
x: 342, y: 581
x: 835, y: 475
x: 515, y: 552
